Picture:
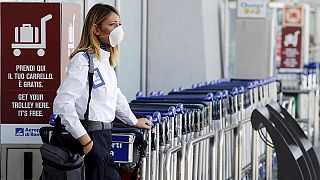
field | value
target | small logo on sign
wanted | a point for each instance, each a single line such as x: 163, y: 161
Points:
x: 27, y: 132
x: 19, y: 131
x: 31, y: 132
x: 293, y: 15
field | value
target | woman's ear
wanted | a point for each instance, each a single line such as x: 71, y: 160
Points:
x: 96, y: 30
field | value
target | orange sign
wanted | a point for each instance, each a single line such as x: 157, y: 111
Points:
x: 293, y: 16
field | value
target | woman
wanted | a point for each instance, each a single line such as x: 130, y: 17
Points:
x: 100, y: 37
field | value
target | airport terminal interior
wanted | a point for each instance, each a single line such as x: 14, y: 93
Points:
x: 231, y: 88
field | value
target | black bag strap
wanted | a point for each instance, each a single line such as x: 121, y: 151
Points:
x: 58, y: 126
x: 90, y: 79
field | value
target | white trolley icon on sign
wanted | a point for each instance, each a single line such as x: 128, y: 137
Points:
x: 29, y: 37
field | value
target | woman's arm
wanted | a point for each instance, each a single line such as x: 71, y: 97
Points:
x: 124, y: 113
x: 69, y: 91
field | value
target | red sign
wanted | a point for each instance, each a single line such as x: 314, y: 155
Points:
x: 30, y: 61
x: 291, y: 47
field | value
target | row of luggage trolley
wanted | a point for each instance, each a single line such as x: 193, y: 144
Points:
x: 199, y: 133
x: 300, y: 92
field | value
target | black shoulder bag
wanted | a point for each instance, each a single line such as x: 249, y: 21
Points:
x: 61, y: 153
x: 62, y: 138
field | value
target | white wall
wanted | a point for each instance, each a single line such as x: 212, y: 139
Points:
x: 183, y: 43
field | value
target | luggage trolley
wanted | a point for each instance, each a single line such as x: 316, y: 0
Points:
x: 142, y: 167
x: 180, y: 169
x: 162, y: 140
x: 244, y: 128
x: 244, y: 101
x: 129, y: 148
x: 232, y: 107
x: 229, y: 135
x: 189, y: 111
x: 261, y: 92
x: 170, y: 130
x: 199, y: 124
x: 264, y: 156
x: 303, y: 86
x: 26, y: 40
x: 191, y: 172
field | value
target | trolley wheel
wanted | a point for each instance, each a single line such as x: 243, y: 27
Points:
x: 16, y: 52
x: 40, y: 52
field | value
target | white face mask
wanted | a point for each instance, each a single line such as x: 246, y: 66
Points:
x: 116, y: 36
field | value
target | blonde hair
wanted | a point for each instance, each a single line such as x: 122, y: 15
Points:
x: 89, y: 41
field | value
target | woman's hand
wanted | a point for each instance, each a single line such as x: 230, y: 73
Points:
x: 143, y: 123
x: 87, y: 148
x: 86, y: 143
